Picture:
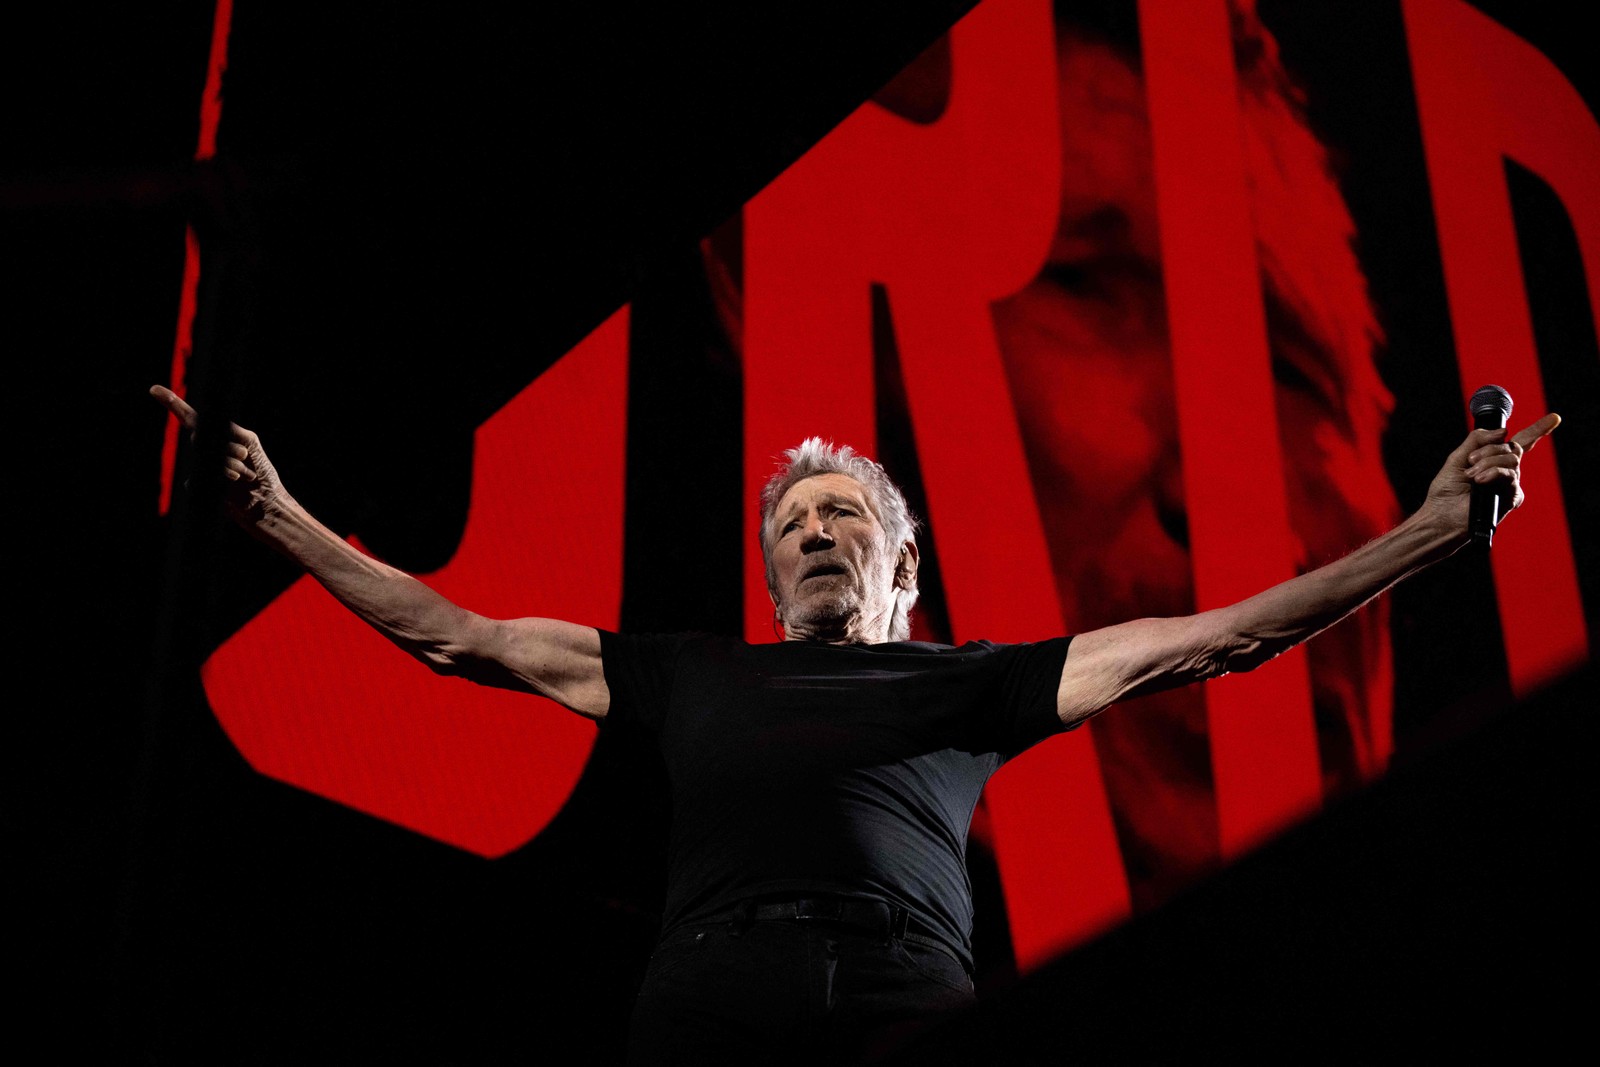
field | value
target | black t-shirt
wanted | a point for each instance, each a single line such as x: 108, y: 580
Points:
x: 801, y: 768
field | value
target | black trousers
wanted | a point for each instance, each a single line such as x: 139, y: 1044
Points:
x: 786, y: 991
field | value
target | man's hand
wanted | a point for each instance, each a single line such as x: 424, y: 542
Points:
x: 1488, y: 458
x: 252, y: 485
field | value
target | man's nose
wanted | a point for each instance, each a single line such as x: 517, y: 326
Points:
x: 815, y: 535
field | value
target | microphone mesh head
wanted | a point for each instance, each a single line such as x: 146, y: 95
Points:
x: 1493, y: 401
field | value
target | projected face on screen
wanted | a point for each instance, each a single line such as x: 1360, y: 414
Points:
x: 1087, y: 352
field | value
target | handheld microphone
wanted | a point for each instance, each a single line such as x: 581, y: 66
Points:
x: 1491, y: 407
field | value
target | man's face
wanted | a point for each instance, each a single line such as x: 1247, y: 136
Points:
x: 1090, y: 334
x: 833, y: 570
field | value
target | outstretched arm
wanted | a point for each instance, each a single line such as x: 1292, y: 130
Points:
x: 1147, y: 655
x: 559, y: 660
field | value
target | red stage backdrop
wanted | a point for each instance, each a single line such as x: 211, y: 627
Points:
x: 1091, y: 284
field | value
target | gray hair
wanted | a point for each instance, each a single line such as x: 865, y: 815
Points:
x: 815, y: 456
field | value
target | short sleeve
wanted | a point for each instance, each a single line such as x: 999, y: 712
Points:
x: 1029, y: 681
x: 639, y: 670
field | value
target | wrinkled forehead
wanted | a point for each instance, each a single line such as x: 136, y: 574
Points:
x: 816, y: 489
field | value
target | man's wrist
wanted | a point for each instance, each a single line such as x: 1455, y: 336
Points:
x: 280, y: 521
x: 1435, y: 534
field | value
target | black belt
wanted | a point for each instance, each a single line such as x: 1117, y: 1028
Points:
x: 877, y: 917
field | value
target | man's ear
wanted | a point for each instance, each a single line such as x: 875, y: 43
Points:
x: 905, y: 567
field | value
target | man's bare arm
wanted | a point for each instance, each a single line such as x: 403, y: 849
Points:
x: 559, y: 660
x: 1147, y: 655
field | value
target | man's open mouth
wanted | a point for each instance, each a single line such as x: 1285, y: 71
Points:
x: 825, y: 569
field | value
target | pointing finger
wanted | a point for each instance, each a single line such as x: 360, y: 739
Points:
x: 177, y: 405
x: 1529, y: 436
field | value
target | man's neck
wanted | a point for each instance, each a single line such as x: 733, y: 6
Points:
x: 853, y: 630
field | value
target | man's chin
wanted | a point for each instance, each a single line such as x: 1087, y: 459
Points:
x: 823, y: 614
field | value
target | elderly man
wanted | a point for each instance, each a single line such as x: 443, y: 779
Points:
x: 822, y: 786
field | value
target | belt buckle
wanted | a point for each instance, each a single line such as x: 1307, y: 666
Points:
x: 807, y: 909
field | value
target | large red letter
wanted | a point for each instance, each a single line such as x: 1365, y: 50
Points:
x: 313, y: 697
x: 1483, y: 95
x: 1263, y: 739
x: 950, y: 216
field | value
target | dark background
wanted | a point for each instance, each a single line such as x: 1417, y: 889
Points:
x: 411, y: 216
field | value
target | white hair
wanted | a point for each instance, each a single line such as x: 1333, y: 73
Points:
x: 815, y: 456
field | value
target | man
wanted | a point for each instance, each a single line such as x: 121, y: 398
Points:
x: 1086, y: 340
x: 821, y: 786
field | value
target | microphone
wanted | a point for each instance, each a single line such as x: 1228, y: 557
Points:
x: 1491, y: 407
